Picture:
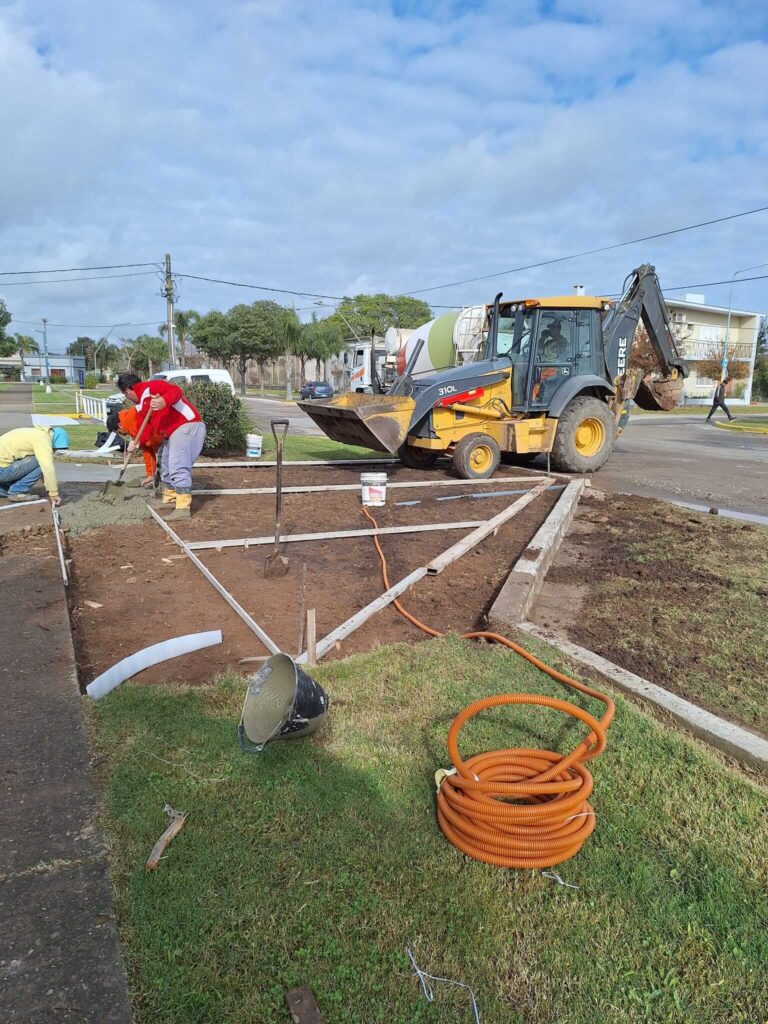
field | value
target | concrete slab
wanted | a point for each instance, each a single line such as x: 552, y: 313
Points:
x: 60, y: 956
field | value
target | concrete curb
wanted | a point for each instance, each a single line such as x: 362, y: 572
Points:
x: 731, y: 739
x: 742, y: 427
x: 526, y: 579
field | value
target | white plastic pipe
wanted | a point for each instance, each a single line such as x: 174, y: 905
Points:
x: 153, y: 655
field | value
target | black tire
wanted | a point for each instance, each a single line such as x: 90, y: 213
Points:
x: 519, y: 458
x: 416, y: 458
x: 476, y: 457
x: 575, y: 452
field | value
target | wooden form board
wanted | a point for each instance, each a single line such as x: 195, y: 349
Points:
x: 287, y: 538
x: 258, y: 464
x: 313, y: 488
x: 268, y: 642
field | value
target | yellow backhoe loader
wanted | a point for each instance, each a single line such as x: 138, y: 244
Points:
x: 554, y: 378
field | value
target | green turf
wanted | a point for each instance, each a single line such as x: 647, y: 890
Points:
x: 700, y: 410
x: 298, y: 447
x: 318, y: 861
x: 754, y: 424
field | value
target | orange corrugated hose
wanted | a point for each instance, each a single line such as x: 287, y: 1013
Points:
x: 550, y: 817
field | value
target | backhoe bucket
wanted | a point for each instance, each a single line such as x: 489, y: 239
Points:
x: 372, y: 421
x: 659, y: 395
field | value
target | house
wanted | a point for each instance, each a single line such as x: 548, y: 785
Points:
x: 10, y: 367
x: 700, y: 331
x: 63, y: 369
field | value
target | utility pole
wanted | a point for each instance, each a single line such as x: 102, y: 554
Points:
x: 168, y: 293
x: 45, y: 350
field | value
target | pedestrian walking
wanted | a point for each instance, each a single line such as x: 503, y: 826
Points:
x: 719, y: 400
x: 180, y: 425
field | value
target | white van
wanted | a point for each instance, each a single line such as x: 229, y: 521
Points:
x: 182, y: 377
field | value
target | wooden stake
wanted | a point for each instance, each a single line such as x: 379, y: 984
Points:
x: 302, y: 605
x: 287, y: 538
x: 311, y: 637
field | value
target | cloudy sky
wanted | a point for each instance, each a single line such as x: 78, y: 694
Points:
x: 335, y: 146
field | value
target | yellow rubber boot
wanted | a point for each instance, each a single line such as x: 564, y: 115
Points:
x: 183, y: 508
x: 168, y: 498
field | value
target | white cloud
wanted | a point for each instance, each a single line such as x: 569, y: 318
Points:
x: 336, y: 146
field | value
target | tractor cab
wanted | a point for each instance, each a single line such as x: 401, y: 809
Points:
x: 548, y: 343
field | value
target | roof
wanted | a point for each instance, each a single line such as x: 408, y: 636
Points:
x: 705, y: 307
x: 563, y: 302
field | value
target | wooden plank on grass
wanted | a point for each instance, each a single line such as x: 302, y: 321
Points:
x: 287, y: 538
x: 466, y: 543
x: 268, y: 642
x: 303, y: 1006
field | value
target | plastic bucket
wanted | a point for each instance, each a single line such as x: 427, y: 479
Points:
x: 253, y: 443
x: 281, y: 702
x: 374, y: 489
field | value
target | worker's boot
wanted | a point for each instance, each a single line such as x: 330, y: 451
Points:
x: 166, y: 500
x: 183, y: 508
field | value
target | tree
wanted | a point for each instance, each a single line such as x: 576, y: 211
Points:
x: 26, y: 345
x: 366, y: 313
x: 7, y: 345
x: 321, y: 339
x: 146, y: 353
x: 292, y: 337
x: 245, y: 332
x: 183, y: 321
x: 712, y: 366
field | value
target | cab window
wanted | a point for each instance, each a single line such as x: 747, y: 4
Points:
x: 555, y: 338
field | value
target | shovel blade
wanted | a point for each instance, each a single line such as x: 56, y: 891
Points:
x: 275, y: 565
x: 112, y: 492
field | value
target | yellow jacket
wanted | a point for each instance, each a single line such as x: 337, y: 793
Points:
x: 23, y: 441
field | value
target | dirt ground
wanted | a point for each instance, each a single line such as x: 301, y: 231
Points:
x: 678, y: 597
x: 148, y: 591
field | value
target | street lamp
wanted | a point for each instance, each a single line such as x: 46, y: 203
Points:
x: 104, y: 340
x: 44, y: 333
x: 724, y: 367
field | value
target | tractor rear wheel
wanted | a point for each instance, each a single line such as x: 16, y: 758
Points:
x: 476, y: 457
x: 584, y: 438
x: 416, y: 458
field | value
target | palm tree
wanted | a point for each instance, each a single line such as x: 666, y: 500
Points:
x: 291, y: 336
x: 26, y: 346
x: 182, y: 324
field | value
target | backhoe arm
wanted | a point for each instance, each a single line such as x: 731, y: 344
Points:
x: 642, y: 299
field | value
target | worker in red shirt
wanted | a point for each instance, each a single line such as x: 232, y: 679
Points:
x: 180, y: 425
x: 127, y: 422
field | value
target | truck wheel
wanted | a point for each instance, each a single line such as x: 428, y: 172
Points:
x: 476, y: 457
x: 584, y: 438
x: 416, y: 458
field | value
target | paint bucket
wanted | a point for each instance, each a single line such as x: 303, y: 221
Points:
x: 281, y: 702
x: 253, y: 443
x: 374, y: 489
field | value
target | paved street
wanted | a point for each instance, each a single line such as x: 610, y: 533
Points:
x: 15, y: 407
x: 265, y: 409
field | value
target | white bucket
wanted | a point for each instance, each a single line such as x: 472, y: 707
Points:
x: 253, y: 444
x: 374, y: 489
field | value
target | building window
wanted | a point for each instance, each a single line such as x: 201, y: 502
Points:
x: 58, y: 373
x: 35, y: 371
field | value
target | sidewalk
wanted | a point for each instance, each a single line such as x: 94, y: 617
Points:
x: 60, y: 958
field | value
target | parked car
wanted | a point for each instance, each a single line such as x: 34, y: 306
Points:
x: 182, y: 377
x: 316, y: 389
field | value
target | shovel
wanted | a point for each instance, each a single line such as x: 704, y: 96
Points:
x: 277, y: 564
x: 116, y: 491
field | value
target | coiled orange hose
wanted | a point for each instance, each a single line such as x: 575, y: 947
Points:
x: 521, y: 807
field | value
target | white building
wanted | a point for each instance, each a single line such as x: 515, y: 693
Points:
x: 701, y: 331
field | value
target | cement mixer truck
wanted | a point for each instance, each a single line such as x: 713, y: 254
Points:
x: 449, y: 340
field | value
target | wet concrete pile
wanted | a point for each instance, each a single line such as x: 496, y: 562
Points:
x: 92, y: 511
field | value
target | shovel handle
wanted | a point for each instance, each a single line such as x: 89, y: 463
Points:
x: 279, y: 423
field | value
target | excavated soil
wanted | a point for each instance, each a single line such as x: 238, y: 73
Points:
x: 148, y: 591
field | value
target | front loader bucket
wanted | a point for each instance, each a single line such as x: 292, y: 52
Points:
x: 659, y: 395
x: 372, y: 421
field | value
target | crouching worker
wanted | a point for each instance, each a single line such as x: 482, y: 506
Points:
x: 26, y: 454
x: 127, y: 423
x: 181, y: 427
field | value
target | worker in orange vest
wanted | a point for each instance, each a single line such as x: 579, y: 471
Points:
x: 126, y: 422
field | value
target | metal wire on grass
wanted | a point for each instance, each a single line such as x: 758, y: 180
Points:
x: 428, y: 991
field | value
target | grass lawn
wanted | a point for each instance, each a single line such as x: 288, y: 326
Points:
x: 318, y: 861
x: 755, y: 424
x: 298, y: 448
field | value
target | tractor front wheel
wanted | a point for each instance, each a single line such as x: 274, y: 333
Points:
x: 476, y: 457
x: 416, y: 458
x: 585, y: 436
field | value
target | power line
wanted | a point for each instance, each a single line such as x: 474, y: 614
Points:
x: 89, y: 327
x: 259, y: 287
x: 75, y: 280
x: 72, y: 270
x: 590, y: 252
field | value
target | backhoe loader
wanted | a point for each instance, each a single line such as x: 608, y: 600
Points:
x: 554, y: 377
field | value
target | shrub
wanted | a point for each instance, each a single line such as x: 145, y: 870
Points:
x: 91, y: 381
x: 225, y: 419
